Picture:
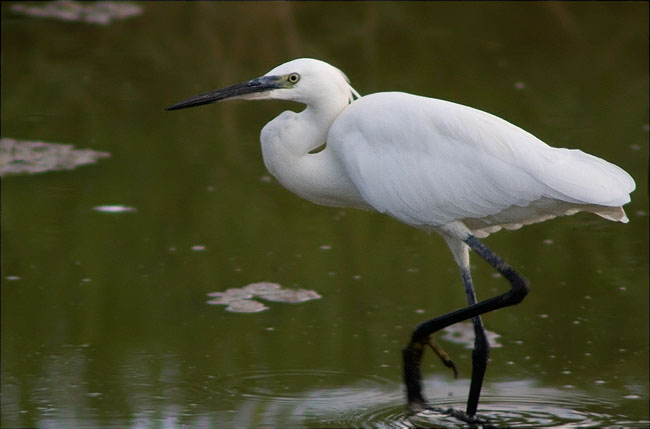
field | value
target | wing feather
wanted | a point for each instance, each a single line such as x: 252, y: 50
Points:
x: 428, y: 162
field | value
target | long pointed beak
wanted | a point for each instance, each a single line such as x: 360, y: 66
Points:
x: 245, y: 90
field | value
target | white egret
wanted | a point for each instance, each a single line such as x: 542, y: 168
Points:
x: 429, y: 163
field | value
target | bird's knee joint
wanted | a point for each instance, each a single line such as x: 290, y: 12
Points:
x: 518, y: 295
x: 519, y: 290
x: 522, y: 289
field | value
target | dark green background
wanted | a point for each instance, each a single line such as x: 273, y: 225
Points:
x: 106, y: 326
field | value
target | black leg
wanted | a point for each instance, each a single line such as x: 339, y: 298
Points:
x: 481, y: 350
x: 412, y: 354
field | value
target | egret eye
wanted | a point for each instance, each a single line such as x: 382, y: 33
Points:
x: 293, y: 78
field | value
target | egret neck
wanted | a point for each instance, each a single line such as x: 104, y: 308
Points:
x: 287, y: 143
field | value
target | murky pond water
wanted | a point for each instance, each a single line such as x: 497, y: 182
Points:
x: 106, y: 266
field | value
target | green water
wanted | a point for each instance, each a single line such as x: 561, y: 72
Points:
x: 104, y: 320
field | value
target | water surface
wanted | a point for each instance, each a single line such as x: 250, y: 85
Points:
x: 104, y: 314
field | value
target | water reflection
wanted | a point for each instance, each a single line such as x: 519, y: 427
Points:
x: 287, y: 398
x: 104, y: 321
x: 463, y: 333
x: 269, y: 399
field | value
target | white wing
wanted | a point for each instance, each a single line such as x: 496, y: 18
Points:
x: 427, y: 162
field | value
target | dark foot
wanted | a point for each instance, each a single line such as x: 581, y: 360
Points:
x: 473, y: 421
x: 412, y: 356
x: 444, y: 357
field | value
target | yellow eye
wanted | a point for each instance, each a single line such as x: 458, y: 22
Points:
x: 293, y: 78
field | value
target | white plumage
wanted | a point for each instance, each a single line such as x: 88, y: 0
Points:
x: 447, y: 162
x: 429, y: 163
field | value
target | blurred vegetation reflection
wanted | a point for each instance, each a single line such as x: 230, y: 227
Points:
x: 104, y: 320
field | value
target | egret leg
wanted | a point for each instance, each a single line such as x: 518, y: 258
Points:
x: 412, y: 354
x: 481, y: 350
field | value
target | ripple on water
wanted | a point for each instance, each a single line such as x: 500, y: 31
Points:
x: 338, y: 399
x: 301, y: 384
x: 265, y: 398
x: 512, y: 404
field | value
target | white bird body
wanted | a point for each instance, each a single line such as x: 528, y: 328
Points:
x: 429, y: 162
x: 448, y: 162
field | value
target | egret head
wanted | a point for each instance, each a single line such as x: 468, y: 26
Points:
x: 304, y: 80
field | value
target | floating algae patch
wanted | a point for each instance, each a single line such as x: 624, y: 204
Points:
x: 97, y: 12
x: 228, y: 296
x: 240, y: 300
x: 31, y: 157
x: 288, y: 295
x: 101, y: 12
x: 246, y: 306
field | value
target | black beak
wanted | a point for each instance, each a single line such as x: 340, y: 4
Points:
x: 240, y: 90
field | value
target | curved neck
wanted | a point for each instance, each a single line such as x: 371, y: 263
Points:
x: 315, y: 121
x: 318, y: 177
